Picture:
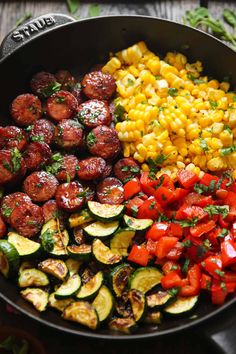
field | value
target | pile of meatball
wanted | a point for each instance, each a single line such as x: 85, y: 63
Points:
x: 59, y: 151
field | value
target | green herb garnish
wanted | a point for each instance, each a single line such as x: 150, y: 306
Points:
x: 217, y: 210
x: 73, y: 6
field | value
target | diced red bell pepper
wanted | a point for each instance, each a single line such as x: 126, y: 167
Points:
x: 206, y: 282
x: 133, y: 205
x: 187, y: 179
x: 213, y: 265
x: 220, y: 290
x: 163, y: 195
x: 171, y: 266
x: 194, y: 278
x: 166, y: 181
x: 198, y: 199
x: 228, y: 252
x: 139, y: 255
x: 222, y: 222
x: 150, y: 209
x: 151, y: 246
x: 231, y: 199
x: 229, y: 277
x: 233, y: 230
x: 164, y: 245
x: 207, y: 179
x: 178, y: 195
x: 190, y: 212
x: 231, y: 217
x: 157, y: 230
x: 171, y: 280
x: 176, y: 252
x: 175, y: 230
x: 131, y: 188
x: 147, y: 184
x: 222, y: 194
x: 202, y: 228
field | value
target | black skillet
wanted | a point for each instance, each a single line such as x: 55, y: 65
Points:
x: 56, y: 41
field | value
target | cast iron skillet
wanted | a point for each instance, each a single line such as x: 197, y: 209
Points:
x: 77, y: 46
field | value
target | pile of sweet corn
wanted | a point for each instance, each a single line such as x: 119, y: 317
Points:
x: 171, y: 110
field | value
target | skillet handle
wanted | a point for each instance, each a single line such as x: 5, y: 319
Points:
x: 30, y: 30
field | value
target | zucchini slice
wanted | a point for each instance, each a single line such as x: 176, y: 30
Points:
x: 24, y: 246
x: 159, y: 299
x: 103, y: 254
x: 153, y: 318
x: 37, y: 297
x: 26, y: 265
x: 80, y: 218
x: 9, y: 259
x: 101, y: 229
x: 138, y: 304
x: 91, y: 288
x: 125, y: 325
x: 59, y: 305
x: 182, y: 305
x: 121, y: 241
x: 55, y: 267
x: 137, y: 224
x: 103, y: 303
x: 69, y: 288
x: 120, y: 278
x: 123, y: 306
x: 106, y: 212
x: 73, y: 265
x: 144, y: 279
x: 32, y: 277
x: 83, y: 313
x: 54, y: 241
x: 82, y: 252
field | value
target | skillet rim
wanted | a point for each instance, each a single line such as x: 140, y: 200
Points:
x: 120, y: 337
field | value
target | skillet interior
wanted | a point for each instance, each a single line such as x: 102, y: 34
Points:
x: 77, y: 47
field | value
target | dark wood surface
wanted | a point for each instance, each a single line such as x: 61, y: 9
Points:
x: 57, y: 343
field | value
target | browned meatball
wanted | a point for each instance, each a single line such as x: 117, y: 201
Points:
x: 91, y: 168
x: 98, y: 85
x: 12, y: 137
x: 37, y: 155
x: 110, y: 191
x: 61, y: 105
x: 126, y: 169
x: 93, y: 113
x: 42, y: 131
x: 70, y: 196
x: 68, y: 134
x: 44, y: 84
x: 40, y: 186
x: 26, y: 109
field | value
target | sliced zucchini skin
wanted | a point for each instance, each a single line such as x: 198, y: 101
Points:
x: 37, y: 297
x: 159, y: 299
x: 32, y: 277
x: 9, y: 260
x: 105, y: 212
x: 69, y: 288
x: 104, y: 304
x: 137, y: 224
x: 57, y: 304
x: 73, y: 265
x: 145, y: 278
x: 24, y: 246
x: 55, y: 267
x: 83, y: 313
x: 103, y: 254
x: 121, y: 241
x: 181, y: 306
x: 80, y: 218
x: 82, y: 252
x: 91, y: 288
x: 119, y: 278
x: 124, y: 325
x: 138, y: 304
x: 101, y: 230
x: 53, y: 240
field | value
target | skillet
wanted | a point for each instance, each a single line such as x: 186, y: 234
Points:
x: 55, y: 41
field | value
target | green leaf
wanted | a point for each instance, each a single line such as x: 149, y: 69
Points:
x: 91, y: 139
x: 50, y: 89
x: 16, y: 159
x: 73, y: 5
x: 153, y: 164
x: 22, y: 19
x: 228, y: 150
x: 190, y: 223
x: 47, y: 240
x: 6, y: 211
x: 185, y: 266
x: 217, y: 209
x: 94, y: 10
x: 223, y: 233
x: 173, y: 91
x: 230, y: 17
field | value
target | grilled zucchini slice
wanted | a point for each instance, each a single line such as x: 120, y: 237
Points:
x: 53, y: 240
x: 120, y: 278
x: 83, y: 313
x: 82, y: 252
x: 153, y: 318
x: 69, y: 288
x: 159, y: 299
x: 144, y: 279
x: 37, y: 297
x: 24, y: 246
x: 32, y: 277
x: 105, y: 212
x: 121, y: 241
x: 101, y: 229
x: 73, y: 265
x: 103, y: 254
x: 59, y: 305
x: 124, y: 325
x: 138, y: 304
x: 80, y: 218
x: 103, y: 303
x: 182, y: 305
x: 9, y: 259
x: 91, y: 288
x: 137, y: 224
x: 55, y: 267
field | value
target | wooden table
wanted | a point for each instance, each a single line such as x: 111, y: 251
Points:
x: 57, y: 343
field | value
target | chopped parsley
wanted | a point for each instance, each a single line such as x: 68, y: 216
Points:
x: 153, y: 164
x: 6, y: 211
x: 16, y: 159
x: 223, y: 233
x: 130, y: 82
x: 152, y: 205
x: 50, y: 89
x: 195, y: 79
x: 48, y: 240
x: 173, y: 291
x: 190, y: 223
x: 162, y: 218
x: 185, y: 266
x: 39, y: 138
x: 213, y: 104
x: 91, y: 139
x: 219, y: 272
x: 217, y: 209
x: 203, y: 144
x: 187, y: 243
x: 119, y: 113
x: 227, y: 128
x: 134, y: 210
x: 172, y: 91
x: 223, y: 286
x: 228, y: 150
x: 60, y: 99
x: 57, y: 165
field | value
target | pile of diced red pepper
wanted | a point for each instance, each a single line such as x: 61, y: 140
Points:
x: 193, y: 237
